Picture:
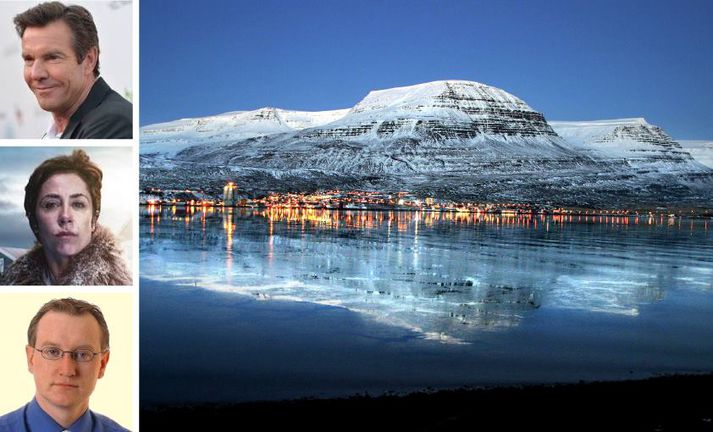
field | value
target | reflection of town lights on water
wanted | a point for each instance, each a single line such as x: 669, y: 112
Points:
x: 404, y: 219
x: 229, y: 229
x: 153, y: 212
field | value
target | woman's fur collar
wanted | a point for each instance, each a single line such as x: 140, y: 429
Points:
x: 100, y: 263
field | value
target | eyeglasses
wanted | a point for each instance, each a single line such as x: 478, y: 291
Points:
x: 80, y: 355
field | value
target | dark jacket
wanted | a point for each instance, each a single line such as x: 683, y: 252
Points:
x: 100, y: 263
x: 103, y: 114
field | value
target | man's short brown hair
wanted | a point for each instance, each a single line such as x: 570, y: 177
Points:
x: 71, y: 307
x: 79, y: 20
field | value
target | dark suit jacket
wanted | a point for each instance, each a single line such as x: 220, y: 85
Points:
x: 103, y: 114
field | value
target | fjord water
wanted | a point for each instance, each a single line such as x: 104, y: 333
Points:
x: 248, y: 304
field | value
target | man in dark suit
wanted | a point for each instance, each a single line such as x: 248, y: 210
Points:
x: 60, y: 49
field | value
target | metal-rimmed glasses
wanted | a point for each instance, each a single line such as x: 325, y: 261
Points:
x: 80, y: 355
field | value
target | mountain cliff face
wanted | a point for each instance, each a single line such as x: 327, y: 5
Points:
x: 634, y: 140
x: 451, y: 139
x: 439, y: 110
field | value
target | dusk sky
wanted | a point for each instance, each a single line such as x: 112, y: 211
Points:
x: 569, y: 59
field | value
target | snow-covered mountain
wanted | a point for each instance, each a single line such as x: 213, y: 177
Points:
x: 172, y: 137
x: 443, y: 109
x: 438, y: 127
x: 451, y: 139
x: 634, y: 140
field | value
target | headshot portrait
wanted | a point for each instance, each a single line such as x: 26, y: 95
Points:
x: 76, y: 63
x: 61, y: 202
x: 78, y: 352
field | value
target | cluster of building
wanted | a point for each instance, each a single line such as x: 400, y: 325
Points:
x: 351, y: 200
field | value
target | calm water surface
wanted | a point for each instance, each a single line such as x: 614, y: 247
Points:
x: 497, y: 299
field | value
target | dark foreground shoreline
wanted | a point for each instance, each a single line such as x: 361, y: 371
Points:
x: 668, y: 403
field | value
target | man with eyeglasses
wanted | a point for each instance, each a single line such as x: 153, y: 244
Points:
x: 67, y: 352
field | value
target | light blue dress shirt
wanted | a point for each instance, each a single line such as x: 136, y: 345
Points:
x: 32, y: 418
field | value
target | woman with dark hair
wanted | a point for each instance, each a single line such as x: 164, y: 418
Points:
x: 62, y: 204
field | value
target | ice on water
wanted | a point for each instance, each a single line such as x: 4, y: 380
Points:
x: 445, y: 276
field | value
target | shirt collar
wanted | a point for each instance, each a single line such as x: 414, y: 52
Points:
x: 52, y: 132
x: 38, y: 420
